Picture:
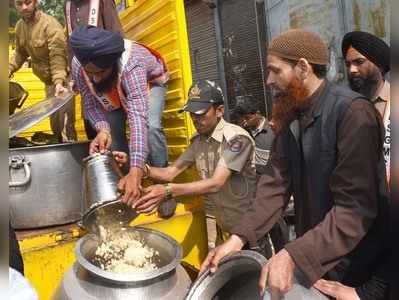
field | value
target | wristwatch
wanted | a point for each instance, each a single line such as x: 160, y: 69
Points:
x: 146, y: 171
x: 168, y: 189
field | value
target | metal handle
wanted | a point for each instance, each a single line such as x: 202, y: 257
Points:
x: 17, y: 163
x: 21, y: 102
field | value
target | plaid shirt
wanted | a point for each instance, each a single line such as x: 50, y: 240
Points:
x: 141, y: 67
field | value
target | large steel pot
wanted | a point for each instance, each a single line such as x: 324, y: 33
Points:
x: 45, y: 184
x: 87, y: 281
x: 101, y: 198
x: 101, y: 175
x: 237, y: 279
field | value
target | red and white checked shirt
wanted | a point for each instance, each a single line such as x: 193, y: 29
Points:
x: 142, y: 67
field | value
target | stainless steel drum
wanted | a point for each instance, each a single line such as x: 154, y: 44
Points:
x: 101, y: 175
x: 45, y: 184
x: 87, y: 281
x: 237, y: 279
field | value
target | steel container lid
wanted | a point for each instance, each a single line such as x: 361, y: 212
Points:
x: 30, y: 116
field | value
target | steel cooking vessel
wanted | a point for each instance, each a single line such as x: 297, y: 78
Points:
x: 237, y: 279
x: 45, y: 184
x: 101, y: 175
x: 87, y: 281
x: 101, y: 199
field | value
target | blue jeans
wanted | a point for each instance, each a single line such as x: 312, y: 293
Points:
x: 117, y: 122
x: 158, y: 151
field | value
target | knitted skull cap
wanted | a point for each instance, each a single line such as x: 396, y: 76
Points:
x: 298, y: 43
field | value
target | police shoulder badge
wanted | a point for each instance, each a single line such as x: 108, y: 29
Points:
x: 235, y: 145
x: 195, y: 91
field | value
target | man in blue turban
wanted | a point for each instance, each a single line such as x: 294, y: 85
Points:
x: 118, y: 80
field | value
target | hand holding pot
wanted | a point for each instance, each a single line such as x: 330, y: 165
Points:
x: 101, y: 143
x: 233, y: 244
x: 60, y: 89
x: 120, y: 157
x: 153, y: 197
x: 278, y: 275
x: 130, y: 185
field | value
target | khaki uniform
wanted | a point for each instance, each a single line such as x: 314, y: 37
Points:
x: 232, y: 147
x: 44, y: 41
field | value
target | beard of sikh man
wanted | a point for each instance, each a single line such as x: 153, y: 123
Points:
x: 106, y: 84
x: 288, y: 103
x: 367, y: 84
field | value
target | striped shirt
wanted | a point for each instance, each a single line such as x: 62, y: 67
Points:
x: 141, y: 67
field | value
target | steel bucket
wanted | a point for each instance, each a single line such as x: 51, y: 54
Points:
x: 101, y: 202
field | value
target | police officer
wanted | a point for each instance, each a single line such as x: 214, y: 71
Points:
x: 224, y: 157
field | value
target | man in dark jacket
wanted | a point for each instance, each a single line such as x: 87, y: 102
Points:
x: 367, y: 60
x: 328, y: 155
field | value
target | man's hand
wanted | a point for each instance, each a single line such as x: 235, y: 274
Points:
x: 336, y: 290
x: 60, y: 89
x: 120, y: 157
x: 153, y: 196
x: 233, y: 244
x: 131, y: 186
x: 101, y: 143
x: 278, y: 275
x: 72, y: 87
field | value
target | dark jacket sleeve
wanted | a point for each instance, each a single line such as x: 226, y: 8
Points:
x: 377, y: 288
x: 272, y: 195
x: 111, y: 17
x: 354, y: 188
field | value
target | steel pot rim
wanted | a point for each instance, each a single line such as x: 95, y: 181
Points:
x: 255, y: 256
x: 50, y: 146
x: 130, y: 277
x: 90, y: 213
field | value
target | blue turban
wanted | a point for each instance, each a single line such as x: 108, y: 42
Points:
x: 95, y: 45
